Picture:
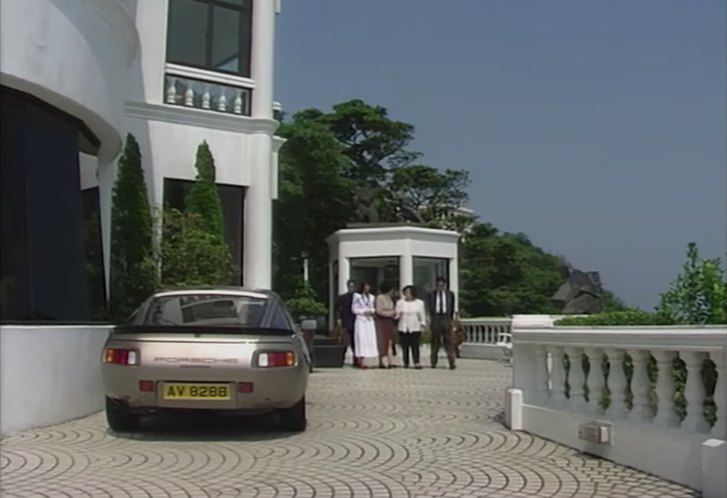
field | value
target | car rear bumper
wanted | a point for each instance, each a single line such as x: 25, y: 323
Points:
x: 262, y: 390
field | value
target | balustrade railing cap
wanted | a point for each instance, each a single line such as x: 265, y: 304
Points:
x: 531, y: 321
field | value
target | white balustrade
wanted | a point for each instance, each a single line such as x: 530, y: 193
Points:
x: 486, y: 338
x: 208, y: 95
x: 658, y: 421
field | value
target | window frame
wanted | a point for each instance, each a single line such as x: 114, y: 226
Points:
x: 244, y: 43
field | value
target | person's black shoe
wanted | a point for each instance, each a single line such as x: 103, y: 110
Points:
x: 452, y: 366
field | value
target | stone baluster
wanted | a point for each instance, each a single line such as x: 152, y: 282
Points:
x: 640, y: 385
x: 222, y: 102
x: 558, y: 375
x: 189, y: 97
x: 541, y: 378
x: 237, y: 107
x: 719, y: 430
x: 665, y: 414
x: 206, y: 97
x: 616, y: 383
x: 576, y: 378
x: 172, y: 91
x: 694, y: 392
x: 596, y: 380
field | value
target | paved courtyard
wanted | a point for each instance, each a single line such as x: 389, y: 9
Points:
x: 397, y: 433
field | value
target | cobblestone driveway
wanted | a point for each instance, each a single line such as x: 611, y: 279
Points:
x: 376, y: 433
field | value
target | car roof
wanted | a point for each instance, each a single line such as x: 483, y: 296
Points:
x: 228, y: 290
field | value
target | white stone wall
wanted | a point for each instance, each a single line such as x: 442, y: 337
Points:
x: 49, y: 374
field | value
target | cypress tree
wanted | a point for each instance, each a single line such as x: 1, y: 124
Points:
x: 203, y: 198
x: 132, y: 265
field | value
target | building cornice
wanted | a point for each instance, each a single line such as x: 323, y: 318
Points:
x: 394, y: 232
x: 200, y: 118
x: 120, y: 20
x: 278, y: 142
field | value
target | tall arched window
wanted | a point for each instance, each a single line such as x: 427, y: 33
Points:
x: 211, y: 34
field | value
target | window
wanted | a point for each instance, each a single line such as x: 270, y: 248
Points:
x: 207, y: 309
x: 44, y: 258
x: 232, y: 198
x: 426, y: 271
x: 211, y: 34
x: 375, y: 271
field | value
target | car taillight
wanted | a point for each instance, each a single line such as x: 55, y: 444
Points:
x: 276, y: 359
x: 146, y: 386
x: 120, y: 356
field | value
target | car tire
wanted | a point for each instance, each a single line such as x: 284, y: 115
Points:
x: 120, y: 420
x: 293, y: 419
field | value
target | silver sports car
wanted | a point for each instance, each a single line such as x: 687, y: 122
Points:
x: 231, y: 350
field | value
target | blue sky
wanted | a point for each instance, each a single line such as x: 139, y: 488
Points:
x: 595, y: 127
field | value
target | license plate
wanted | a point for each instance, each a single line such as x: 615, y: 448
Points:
x: 196, y: 391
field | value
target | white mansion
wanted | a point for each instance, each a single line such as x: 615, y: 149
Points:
x: 77, y: 76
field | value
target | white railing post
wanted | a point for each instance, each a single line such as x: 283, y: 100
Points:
x: 640, y: 385
x: 558, y: 376
x: 616, y: 383
x: 541, y: 377
x: 719, y: 430
x: 576, y: 378
x: 596, y: 380
x: 665, y: 414
x: 694, y: 392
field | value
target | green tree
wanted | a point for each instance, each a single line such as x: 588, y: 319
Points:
x: 191, y: 256
x: 697, y: 295
x: 315, y: 200
x: 133, y: 271
x: 203, y: 198
x: 503, y: 274
x: 433, y: 192
x: 305, y: 305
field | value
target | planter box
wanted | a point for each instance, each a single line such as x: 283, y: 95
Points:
x: 328, y: 352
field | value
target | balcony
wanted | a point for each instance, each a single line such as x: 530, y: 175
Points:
x: 207, y: 94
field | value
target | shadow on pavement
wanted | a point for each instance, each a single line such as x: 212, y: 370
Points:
x: 192, y: 427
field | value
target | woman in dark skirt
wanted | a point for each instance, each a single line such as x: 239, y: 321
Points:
x: 385, y: 324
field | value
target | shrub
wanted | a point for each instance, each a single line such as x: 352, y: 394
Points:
x: 190, y: 255
x: 132, y: 271
x: 203, y: 198
x: 305, y: 304
x: 630, y: 317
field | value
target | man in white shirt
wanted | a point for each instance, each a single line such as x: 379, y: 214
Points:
x: 440, y: 305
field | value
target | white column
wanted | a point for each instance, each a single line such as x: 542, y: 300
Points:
x: 454, y: 281
x: 258, y: 235
x: 258, y: 199
x: 106, y: 178
x: 263, y: 53
x: 344, y: 273
x: 406, y: 270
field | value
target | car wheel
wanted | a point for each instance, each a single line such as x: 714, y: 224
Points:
x: 119, y: 419
x: 293, y: 419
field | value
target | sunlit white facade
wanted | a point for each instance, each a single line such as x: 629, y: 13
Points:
x: 76, y: 77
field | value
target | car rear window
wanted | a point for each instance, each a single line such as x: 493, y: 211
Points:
x: 207, y: 309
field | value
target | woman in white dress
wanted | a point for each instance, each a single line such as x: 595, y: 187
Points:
x: 412, y: 320
x: 364, y: 330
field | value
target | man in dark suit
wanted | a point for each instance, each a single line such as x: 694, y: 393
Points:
x: 440, y: 305
x: 344, y: 314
